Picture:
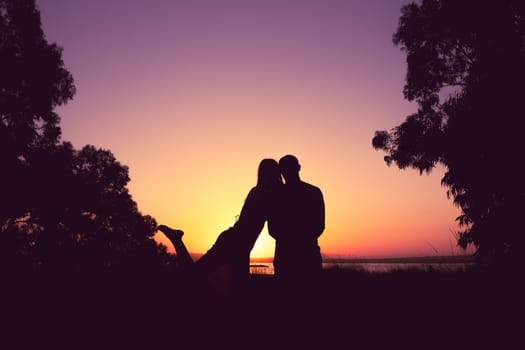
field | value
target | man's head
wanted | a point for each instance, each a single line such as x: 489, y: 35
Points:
x: 290, y: 168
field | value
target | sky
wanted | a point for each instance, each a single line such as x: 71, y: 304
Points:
x: 192, y: 95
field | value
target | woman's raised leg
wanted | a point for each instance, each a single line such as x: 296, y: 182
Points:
x: 175, y: 236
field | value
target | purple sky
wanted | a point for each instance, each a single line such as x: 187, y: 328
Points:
x: 191, y: 95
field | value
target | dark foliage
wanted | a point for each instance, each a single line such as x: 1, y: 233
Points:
x: 59, y: 207
x: 466, y: 71
x: 33, y: 81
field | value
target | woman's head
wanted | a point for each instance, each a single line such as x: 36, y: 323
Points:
x: 269, y: 173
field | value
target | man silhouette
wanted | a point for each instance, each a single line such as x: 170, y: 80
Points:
x: 298, y: 221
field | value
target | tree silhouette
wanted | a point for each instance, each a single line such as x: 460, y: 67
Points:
x: 84, y: 212
x: 466, y: 71
x: 58, y: 206
x: 33, y: 81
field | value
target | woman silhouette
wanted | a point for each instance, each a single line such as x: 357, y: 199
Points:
x: 233, y: 246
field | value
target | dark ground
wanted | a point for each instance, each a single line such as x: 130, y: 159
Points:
x: 344, y: 310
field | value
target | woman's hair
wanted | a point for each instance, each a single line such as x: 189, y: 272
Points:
x: 269, y: 173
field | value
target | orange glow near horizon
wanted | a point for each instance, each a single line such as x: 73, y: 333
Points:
x: 409, y: 215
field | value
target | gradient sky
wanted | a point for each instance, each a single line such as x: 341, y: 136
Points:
x: 191, y: 95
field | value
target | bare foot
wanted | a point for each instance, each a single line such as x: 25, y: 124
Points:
x: 173, y: 235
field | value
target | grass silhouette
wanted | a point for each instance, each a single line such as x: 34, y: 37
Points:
x: 345, y: 308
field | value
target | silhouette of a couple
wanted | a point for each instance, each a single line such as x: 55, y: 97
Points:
x: 295, y: 214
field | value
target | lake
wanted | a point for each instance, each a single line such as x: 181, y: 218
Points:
x: 379, y: 266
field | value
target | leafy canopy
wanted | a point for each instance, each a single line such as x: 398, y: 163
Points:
x: 466, y: 72
x: 57, y: 204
